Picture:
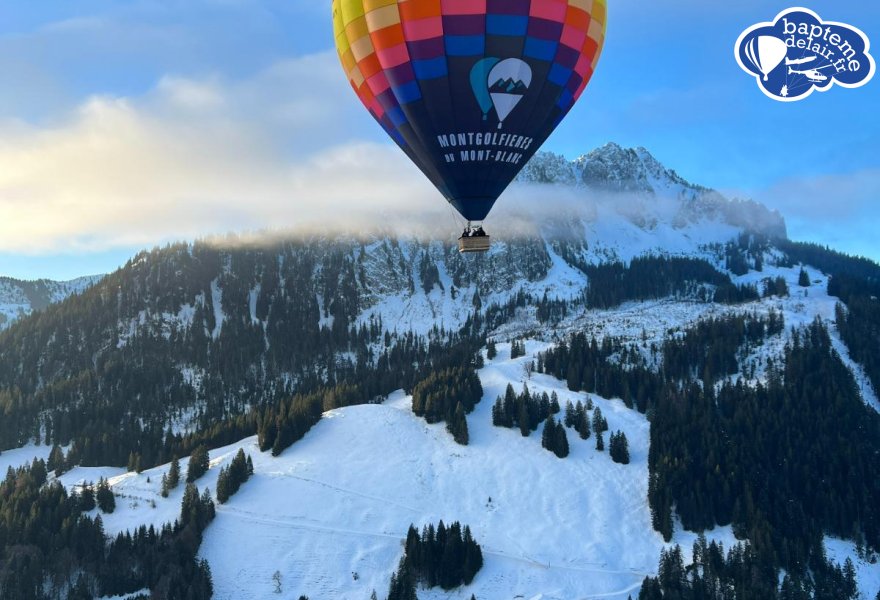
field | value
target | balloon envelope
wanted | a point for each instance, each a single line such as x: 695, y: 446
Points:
x: 766, y: 53
x: 469, y: 89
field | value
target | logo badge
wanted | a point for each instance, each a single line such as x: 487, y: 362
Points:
x: 500, y: 84
x: 798, y: 53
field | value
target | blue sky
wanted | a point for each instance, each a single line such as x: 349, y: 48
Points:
x: 125, y: 124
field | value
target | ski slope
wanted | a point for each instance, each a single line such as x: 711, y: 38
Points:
x: 330, y: 514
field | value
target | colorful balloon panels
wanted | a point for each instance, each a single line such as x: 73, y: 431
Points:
x: 469, y: 89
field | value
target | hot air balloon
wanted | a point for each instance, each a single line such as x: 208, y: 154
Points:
x: 469, y: 89
x: 766, y: 52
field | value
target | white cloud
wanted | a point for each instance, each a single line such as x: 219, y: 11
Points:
x: 191, y: 158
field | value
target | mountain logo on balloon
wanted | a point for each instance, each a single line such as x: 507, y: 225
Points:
x: 500, y: 85
x: 799, y: 53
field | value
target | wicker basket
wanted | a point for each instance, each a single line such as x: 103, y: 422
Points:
x: 473, y: 244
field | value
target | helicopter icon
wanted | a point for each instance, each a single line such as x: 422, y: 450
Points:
x: 812, y: 74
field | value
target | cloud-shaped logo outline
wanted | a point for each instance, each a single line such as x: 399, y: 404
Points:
x: 832, y: 80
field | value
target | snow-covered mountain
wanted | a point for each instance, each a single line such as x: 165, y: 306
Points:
x: 633, y: 173
x: 20, y: 298
x: 331, y: 512
x: 222, y: 328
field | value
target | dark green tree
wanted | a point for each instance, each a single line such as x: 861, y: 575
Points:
x: 223, y: 486
x: 582, y: 422
x: 81, y: 590
x: 402, y: 586
x: 458, y: 427
x: 198, y: 463
x: 618, y: 448
x: 86, y: 497
x: 56, y: 461
x: 104, y: 497
x: 803, y: 278
x: 560, y: 443
x: 174, y: 473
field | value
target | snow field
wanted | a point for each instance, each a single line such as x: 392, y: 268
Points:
x: 331, y: 512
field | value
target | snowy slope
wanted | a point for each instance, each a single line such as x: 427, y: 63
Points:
x: 327, y: 518
x: 339, y: 502
x: 330, y: 514
x: 20, y: 298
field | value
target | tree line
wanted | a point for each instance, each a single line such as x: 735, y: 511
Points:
x: 438, y: 556
x: 768, y: 458
x: 50, y: 547
x: 741, y: 573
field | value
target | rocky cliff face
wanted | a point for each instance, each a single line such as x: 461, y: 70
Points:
x: 649, y: 187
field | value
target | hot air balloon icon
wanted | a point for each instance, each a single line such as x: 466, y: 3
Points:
x: 766, y: 52
x: 500, y: 84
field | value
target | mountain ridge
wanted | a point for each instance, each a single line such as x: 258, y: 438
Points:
x: 639, y: 188
x: 20, y: 297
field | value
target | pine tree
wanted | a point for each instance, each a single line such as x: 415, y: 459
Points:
x: 523, y: 418
x: 174, y: 473
x: 198, y: 463
x: 619, y: 448
x: 570, y: 415
x: 402, y: 586
x: 458, y: 426
x: 81, y: 590
x: 560, y: 442
x: 548, y: 436
x: 650, y: 589
x: 850, y: 587
x: 582, y: 422
x: 56, y: 461
x: 517, y: 349
x: 223, y: 486
x: 104, y: 497
x: 38, y: 471
x: 133, y: 461
x: 473, y: 557
x: 498, y: 413
x: 600, y: 443
x: 190, y: 507
x: 86, y: 497
x: 803, y: 278
x: 491, y: 350
x: 599, y: 423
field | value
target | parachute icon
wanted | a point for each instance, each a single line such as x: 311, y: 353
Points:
x: 766, y: 52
